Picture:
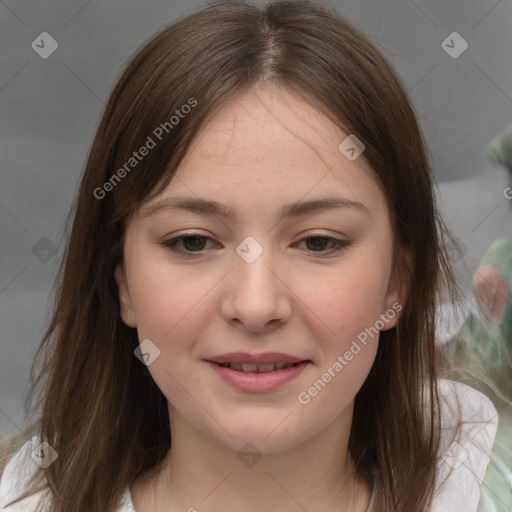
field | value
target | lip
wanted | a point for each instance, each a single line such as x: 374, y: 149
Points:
x: 244, y: 357
x: 254, y: 382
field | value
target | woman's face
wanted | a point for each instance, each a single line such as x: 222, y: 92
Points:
x: 256, y: 286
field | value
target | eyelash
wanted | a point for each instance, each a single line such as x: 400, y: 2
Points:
x: 171, y: 244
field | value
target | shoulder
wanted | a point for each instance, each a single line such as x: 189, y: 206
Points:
x: 465, y: 454
x: 16, y: 475
x: 20, y: 469
x: 126, y: 504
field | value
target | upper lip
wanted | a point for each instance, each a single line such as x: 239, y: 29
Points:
x: 267, y: 358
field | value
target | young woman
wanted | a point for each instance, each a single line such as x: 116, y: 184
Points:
x: 245, y: 318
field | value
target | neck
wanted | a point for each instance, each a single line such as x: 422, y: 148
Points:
x: 201, y: 473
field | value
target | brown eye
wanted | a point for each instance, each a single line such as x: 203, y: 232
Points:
x: 191, y: 243
x: 320, y: 243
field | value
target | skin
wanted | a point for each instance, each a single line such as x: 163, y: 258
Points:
x: 262, y: 150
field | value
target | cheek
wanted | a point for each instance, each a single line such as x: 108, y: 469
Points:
x: 347, y: 349
x: 345, y: 302
x: 339, y: 378
x: 173, y: 310
x: 171, y: 304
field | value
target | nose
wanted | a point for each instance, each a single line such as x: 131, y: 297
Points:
x: 257, y: 295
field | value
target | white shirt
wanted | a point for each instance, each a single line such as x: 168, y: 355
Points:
x: 468, y: 456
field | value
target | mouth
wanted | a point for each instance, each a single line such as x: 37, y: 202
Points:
x: 257, y: 363
x: 258, y: 368
x: 257, y: 373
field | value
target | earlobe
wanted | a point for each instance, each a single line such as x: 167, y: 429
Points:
x: 126, y: 308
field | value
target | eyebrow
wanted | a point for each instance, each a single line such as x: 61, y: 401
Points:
x: 213, y: 208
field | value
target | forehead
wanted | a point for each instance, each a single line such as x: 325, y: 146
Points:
x: 269, y: 145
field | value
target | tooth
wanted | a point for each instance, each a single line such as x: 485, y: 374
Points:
x: 236, y: 366
x: 246, y: 367
x: 278, y: 366
x: 266, y: 367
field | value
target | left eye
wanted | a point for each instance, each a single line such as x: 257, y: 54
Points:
x: 320, y: 241
x: 195, y: 243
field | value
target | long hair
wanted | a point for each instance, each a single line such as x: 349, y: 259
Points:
x: 100, y: 409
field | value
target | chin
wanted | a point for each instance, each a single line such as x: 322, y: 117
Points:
x: 267, y: 436
x: 261, y: 444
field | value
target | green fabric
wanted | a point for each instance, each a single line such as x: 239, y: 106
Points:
x: 481, y: 352
x: 499, y: 150
x: 483, y: 349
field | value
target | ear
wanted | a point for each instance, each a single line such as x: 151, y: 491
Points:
x: 398, y: 288
x: 126, y: 308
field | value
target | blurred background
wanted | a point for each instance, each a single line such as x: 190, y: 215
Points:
x: 50, y: 104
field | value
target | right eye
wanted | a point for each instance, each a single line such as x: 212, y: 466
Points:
x: 193, y: 243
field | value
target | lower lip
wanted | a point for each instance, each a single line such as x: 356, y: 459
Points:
x: 258, y: 382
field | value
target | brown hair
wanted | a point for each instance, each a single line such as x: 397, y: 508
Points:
x: 100, y: 408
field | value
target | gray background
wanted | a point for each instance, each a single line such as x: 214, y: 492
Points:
x: 49, y: 109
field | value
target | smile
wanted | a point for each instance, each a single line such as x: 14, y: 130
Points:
x: 258, y: 378
x: 260, y: 368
